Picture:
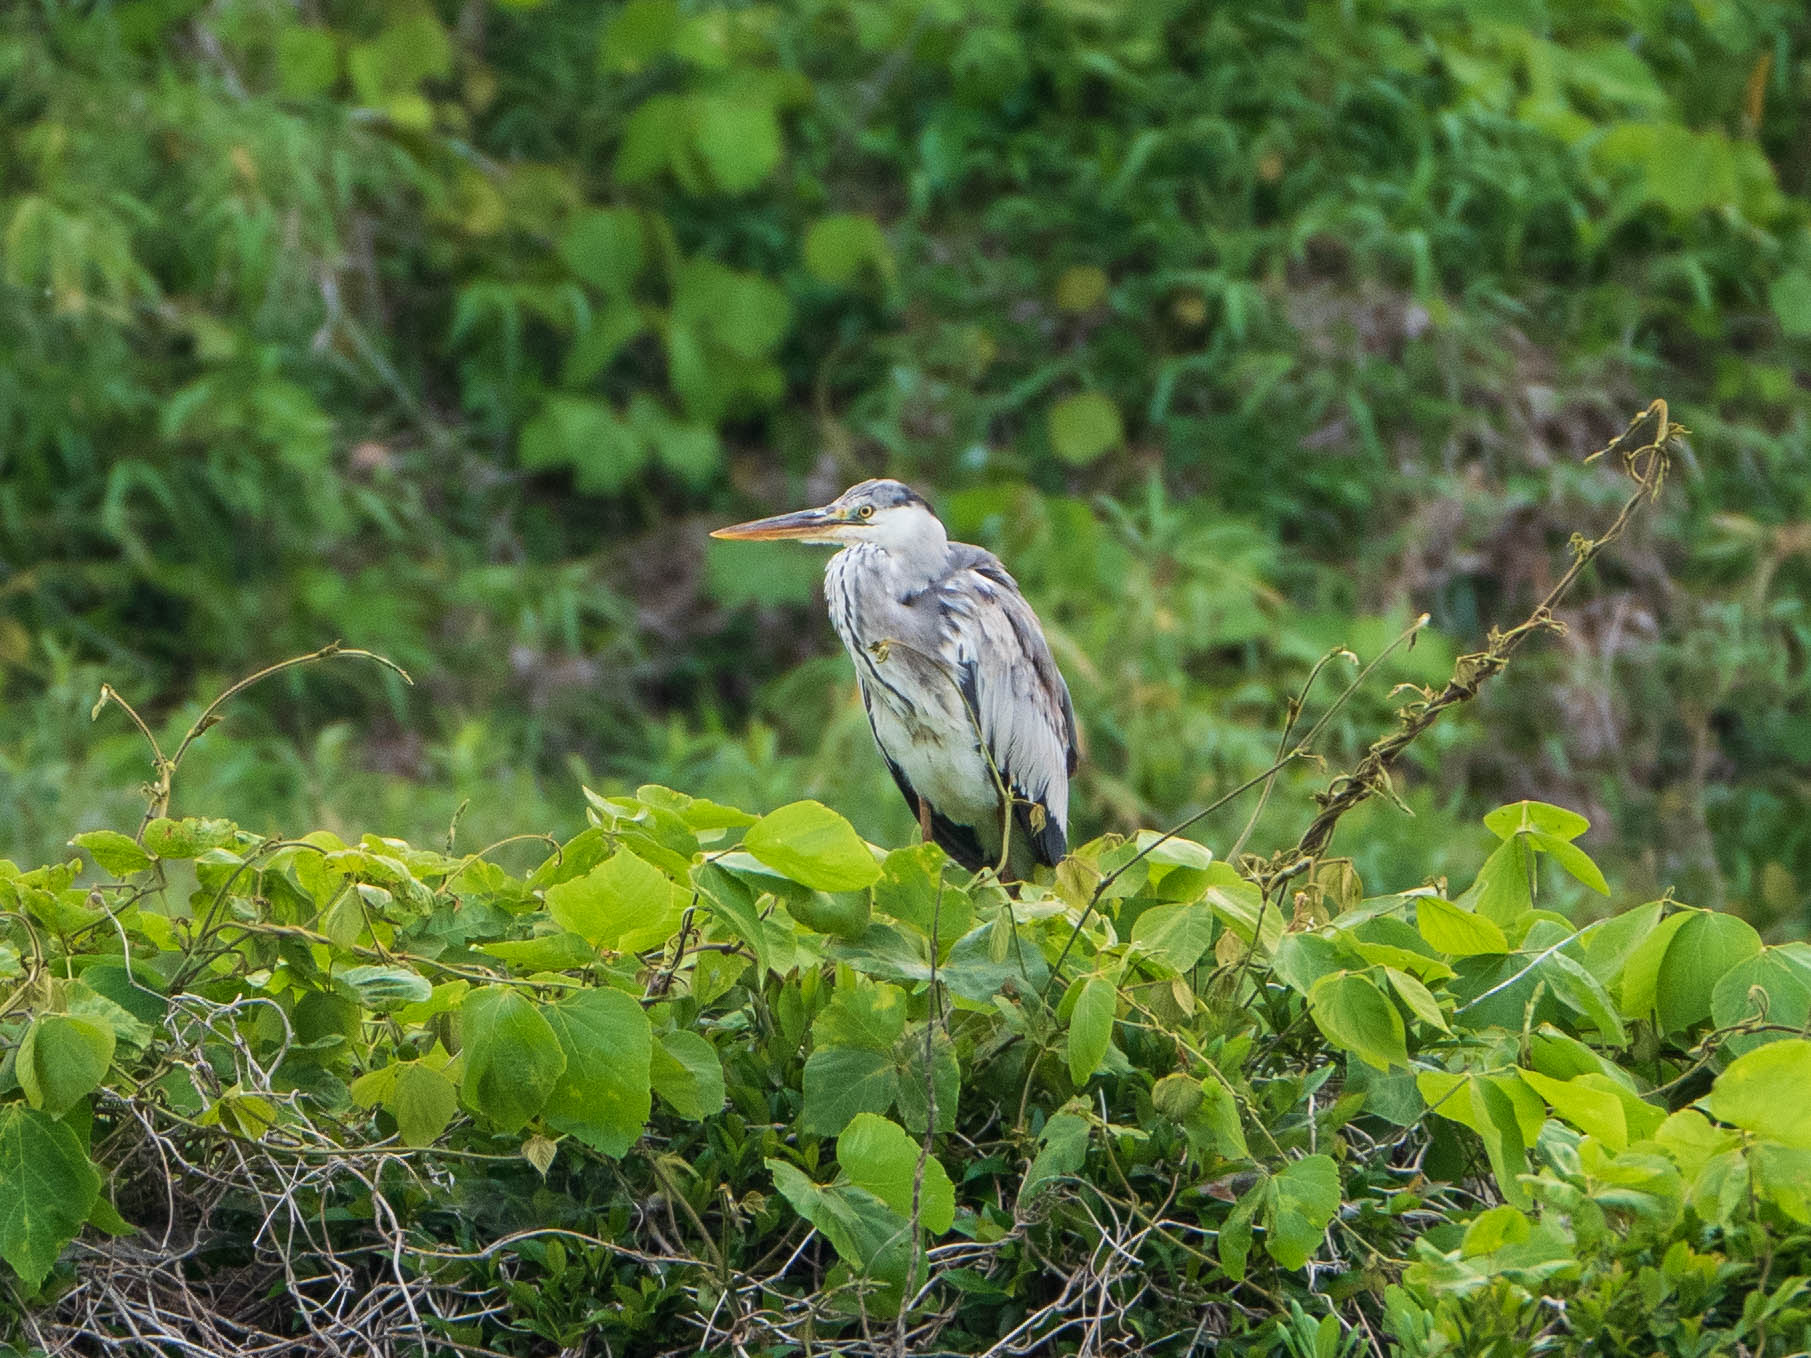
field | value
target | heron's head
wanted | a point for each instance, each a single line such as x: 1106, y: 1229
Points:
x: 882, y: 512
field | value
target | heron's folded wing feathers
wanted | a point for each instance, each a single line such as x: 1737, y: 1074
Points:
x: 1012, y: 682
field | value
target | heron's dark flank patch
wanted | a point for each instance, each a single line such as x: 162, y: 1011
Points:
x: 960, y: 842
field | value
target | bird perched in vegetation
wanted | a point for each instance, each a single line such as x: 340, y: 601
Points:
x: 965, y: 701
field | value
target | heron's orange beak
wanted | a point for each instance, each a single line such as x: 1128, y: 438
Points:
x: 809, y: 524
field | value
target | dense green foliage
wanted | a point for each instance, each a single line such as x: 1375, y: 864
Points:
x: 700, y: 1081
x: 446, y: 329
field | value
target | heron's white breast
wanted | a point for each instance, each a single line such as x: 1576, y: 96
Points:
x: 919, y: 717
x: 946, y: 770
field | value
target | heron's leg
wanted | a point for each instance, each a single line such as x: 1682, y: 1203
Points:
x: 924, y: 819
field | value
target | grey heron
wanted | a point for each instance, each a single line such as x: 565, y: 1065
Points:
x: 962, y: 694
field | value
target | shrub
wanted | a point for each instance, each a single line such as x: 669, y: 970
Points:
x: 264, y: 1091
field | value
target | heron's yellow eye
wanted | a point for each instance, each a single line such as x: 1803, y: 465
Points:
x: 866, y: 511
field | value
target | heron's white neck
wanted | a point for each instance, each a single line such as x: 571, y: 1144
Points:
x: 914, y: 542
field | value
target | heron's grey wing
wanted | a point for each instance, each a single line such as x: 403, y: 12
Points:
x: 1018, y: 695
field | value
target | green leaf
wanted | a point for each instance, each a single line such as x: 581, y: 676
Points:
x: 1304, y: 958
x: 690, y: 451
x: 1491, y: 1230
x: 595, y: 348
x: 1234, y: 1243
x: 1504, y: 888
x: 1084, y: 426
x: 1081, y: 287
x: 738, y: 139
x: 512, y: 1057
x: 1177, y: 1096
x: 562, y: 951
x: 944, y: 1086
x: 188, y: 837
x: 1790, y: 297
x: 1091, y: 1027
x: 62, y: 1060
x: 603, y: 1095
x: 811, y: 844
x: 1770, y: 982
x: 105, y: 1217
x: 1419, y: 999
x: 624, y: 903
x: 636, y: 34
x: 1641, y: 971
x: 1357, y: 1017
x: 1241, y: 907
x: 1486, y: 1107
x: 606, y: 247
x: 1062, y: 1149
x: 422, y: 1101
x: 1215, y: 1125
x: 840, y: 1082
x: 870, y: 1236
x: 838, y: 249
x: 406, y: 53
x: 1604, y: 947
x: 877, y: 1155
x: 1456, y: 932
x: 1764, y: 1092
x: 1302, y: 1200
x: 654, y: 138
x: 743, y: 313
x: 1585, y: 1105
x: 1706, y: 947
x: 687, y: 1073
x: 1573, y: 859
x: 1782, y: 1176
x: 118, y: 854
x: 1176, y: 935
x: 866, y: 1014
x: 308, y: 61
x: 1539, y: 817
x: 384, y: 990
x: 1580, y: 991
x: 600, y: 447
x: 916, y: 887
x: 48, y: 1187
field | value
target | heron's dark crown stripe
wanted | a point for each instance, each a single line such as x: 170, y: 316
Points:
x: 883, y: 493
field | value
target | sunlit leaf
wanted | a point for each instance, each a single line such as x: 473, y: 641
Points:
x: 603, y: 1095
x: 878, y: 1155
x: 118, y: 854
x: 1356, y: 1016
x: 811, y: 844
x: 1456, y: 932
x: 62, y: 1059
x: 1764, y: 1092
x: 624, y: 903
x: 1084, y: 427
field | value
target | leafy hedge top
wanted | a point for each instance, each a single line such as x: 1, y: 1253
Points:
x: 634, y: 1087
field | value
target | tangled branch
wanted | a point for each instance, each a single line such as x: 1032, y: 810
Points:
x: 1644, y: 452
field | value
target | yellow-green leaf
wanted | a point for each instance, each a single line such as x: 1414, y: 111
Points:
x: 811, y: 844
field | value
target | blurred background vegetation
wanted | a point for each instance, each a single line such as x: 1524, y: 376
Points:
x: 1241, y: 331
